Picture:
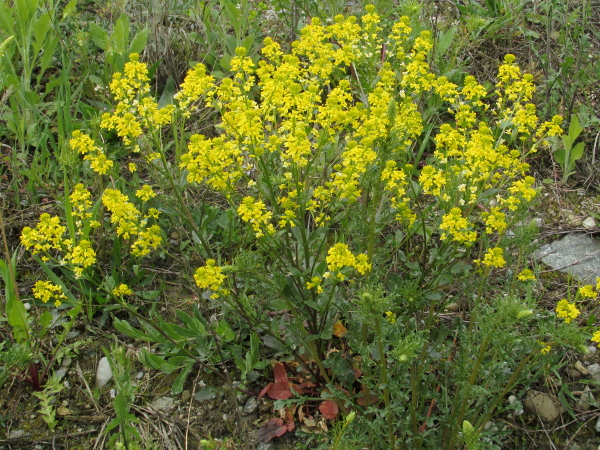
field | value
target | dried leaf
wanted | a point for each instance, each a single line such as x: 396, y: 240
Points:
x: 329, y: 409
x: 339, y: 330
x: 272, y: 428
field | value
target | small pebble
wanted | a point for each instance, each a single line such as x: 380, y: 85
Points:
x: 574, y: 375
x: 581, y: 368
x: 140, y: 375
x: 27, y: 306
x: 103, y: 373
x: 590, y: 222
x: 512, y: 399
x: 185, y: 396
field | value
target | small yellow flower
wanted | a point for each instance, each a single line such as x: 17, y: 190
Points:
x: 211, y: 277
x: 145, y: 193
x: 121, y: 290
x: 567, y: 310
x: 132, y: 167
x: 587, y: 291
x: 390, y: 317
x: 526, y: 275
x: 596, y: 336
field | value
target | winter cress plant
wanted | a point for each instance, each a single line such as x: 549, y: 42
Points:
x: 348, y: 227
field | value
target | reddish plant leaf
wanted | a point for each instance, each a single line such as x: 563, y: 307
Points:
x: 279, y: 373
x: 329, y: 409
x: 364, y: 394
x: 280, y: 390
x: 339, y: 329
x: 264, y: 390
x: 272, y: 428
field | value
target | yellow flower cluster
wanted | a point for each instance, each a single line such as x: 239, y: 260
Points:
x: 526, y: 275
x: 340, y: 256
x: 254, y: 212
x: 211, y: 277
x: 135, y: 109
x: 49, y: 235
x: 588, y: 291
x: 122, y: 290
x: 131, y: 223
x: 567, y: 310
x: 456, y: 227
x: 47, y: 291
x: 84, y: 144
x: 494, y: 257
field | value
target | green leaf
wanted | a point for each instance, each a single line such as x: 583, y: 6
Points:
x: 577, y: 151
x: 224, y: 331
x: 574, y: 128
x: 18, y: 320
x: 166, y: 97
x: 139, y: 41
x: 559, y: 156
x: 156, y: 362
x: 69, y: 9
x: 180, y: 380
x: 99, y: 35
x: 193, y: 324
x: 124, y: 327
x: 120, y: 34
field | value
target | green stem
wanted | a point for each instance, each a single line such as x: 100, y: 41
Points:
x: 385, y: 382
x: 466, y: 392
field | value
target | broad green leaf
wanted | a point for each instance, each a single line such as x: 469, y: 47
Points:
x: 18, y: 320
x: 180, y: 380
x: 559, y: 156
x: 574, y: 128
x: 100, y: 37
x: 166, y: 97
x: 156, y: 362
x: 139, y: 41
x: 224, y: 331
x: 120, y: 35
x: 69, y: 9
x: 124, y: 327
x: 577, y: 151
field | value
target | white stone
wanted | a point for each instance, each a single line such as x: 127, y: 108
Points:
x: 590, y: 222
x: 103, y: 373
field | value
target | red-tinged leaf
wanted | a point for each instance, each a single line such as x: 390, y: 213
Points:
x: 364, y: 394
x: 357, y: 373
x: 289, y: 419
x: 280, y: 390
x: 272, y: 428
x: 279, y: 372
x: 329, y: 409
x: 264, y: 390
x: 339, y: 330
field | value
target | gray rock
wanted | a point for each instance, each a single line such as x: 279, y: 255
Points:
x: 543, y: 405
x: 103, y: 373
x: 163, y: 404
x: 251, y: 405
x: 66, y: 361
x: 594, y: 370
x: 185, y: 396
x: 574, y: 375
x: 576, y: 254
x: 587, y: 400
x: 16, y: 434
x: 597, y: 426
